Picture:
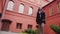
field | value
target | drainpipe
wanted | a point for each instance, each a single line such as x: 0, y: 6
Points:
x: 4, y: 8
x: 3, y: 11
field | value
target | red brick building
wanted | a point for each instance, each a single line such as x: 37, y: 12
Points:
x: 52, y: 11
x: 19, y: 15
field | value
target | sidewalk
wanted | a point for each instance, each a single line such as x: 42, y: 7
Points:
x: 4, y: 32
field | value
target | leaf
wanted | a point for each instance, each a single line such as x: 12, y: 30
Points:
x: 55, y: 28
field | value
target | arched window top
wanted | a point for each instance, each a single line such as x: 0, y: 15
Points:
x: 10, y: 5
x: 11, y: 2
x: 31, y: 7
x: 22, y: 4
x: 6, y: 20
x: 21, y: 8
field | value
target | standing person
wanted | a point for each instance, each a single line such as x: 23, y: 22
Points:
x: 40, y: 19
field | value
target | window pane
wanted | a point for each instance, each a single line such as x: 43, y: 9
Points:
x: 30, y: 11
x: 19, y: 26
x: 21, y: 8
x: 51, y: 10
x: 58, y: 6
x: 29, y: 26
x: 36, y: 26
x: 10, y: 6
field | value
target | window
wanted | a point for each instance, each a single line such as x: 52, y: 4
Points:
x: 21, y: 8
x: 0, y: 15
x: 19, y: 26
x: 58, y: 6
x: 29, y: 26
x: 30, y: 11
x: 10, y: 5
x: 51, y: 10
x: 36, y: 26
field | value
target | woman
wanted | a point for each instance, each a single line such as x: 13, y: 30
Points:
x: 40, y: 19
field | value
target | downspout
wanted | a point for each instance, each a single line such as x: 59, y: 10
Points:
x: 3, y: 11
x: 4, y: 8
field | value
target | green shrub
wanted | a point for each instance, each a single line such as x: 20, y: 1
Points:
x: 55, y: 28
x: 30, y: 31
x: 22, y: 33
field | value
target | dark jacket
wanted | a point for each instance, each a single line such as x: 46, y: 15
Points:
x: 41, y: 19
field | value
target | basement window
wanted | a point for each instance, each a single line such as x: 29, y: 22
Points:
x: 19, y: 26
x: 29, y: 26
x: 36, y: 26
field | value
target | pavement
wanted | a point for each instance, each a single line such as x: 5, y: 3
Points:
x: 4, y: 32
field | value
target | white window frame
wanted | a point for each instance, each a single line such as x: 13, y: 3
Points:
x: 30, y: 11
x: 51, y: 10
x: 58, y: 6
x: 10, y: 5
x: 21, y: 8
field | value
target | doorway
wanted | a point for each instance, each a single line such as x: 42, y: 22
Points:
x: 5, y: 25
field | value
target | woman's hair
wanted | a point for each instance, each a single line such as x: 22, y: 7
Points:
x: 39, y: 9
